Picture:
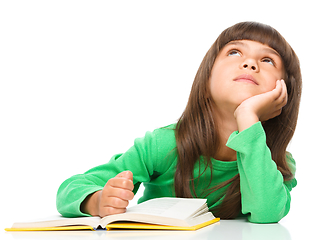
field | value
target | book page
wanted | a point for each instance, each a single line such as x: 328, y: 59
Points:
x: 180, y: 208
x: 57, y: 221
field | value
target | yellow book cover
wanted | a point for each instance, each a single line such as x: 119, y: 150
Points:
x: 160, y: 213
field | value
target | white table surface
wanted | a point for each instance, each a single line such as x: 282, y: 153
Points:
x: 239, y: 229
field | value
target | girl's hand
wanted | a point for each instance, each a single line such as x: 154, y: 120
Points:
x: 113, y: 199
x: 261, y: 107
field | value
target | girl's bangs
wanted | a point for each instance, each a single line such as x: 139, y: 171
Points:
x: 256, y: 32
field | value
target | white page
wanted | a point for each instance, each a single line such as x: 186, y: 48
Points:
x: 56, y: 221
x: 180, y: 208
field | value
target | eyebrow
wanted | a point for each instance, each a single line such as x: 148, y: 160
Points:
x: 265, y: 49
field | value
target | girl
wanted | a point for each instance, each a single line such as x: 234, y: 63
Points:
x: 229, y: 145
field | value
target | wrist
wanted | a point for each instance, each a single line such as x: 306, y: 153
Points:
x: 91, y: 204
x: 245, y: 119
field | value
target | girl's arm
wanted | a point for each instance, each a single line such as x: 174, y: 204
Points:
x: 80, y: 194
x: 263, y: 192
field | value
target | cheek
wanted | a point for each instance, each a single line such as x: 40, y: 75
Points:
x: 219, y: 77
x: 270, y: 82
x: 215, y: 89
x: 214, y: 82
x: 270, y: 75
x: 218, y: 83
x: 270, y: 86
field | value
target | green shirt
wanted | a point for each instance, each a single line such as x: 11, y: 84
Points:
x: 265, y: 196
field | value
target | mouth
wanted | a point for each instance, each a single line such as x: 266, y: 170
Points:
x: 246, y: 78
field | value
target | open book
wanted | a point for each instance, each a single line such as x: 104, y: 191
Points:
x: 159, y: 213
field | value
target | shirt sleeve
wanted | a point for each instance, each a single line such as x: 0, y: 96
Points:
x: 264, y: 194
x: 137, y: 159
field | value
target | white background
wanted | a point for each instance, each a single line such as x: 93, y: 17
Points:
x: 80, y: 80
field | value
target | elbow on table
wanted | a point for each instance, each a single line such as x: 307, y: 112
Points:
x: 267, y: 215
x: 268, y: 209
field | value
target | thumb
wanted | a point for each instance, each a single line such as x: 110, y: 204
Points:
x: 126, y: 174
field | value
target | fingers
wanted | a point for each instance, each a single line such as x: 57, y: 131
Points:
x: 125, y: 174
x: 277, y: 100
x: 116, y: 194
x: 108, y: 210
x: 123, y: 180
x: 282, y: 99
x: 277, y: 91
x: 285, y: 95
x: 119, y: 187
x: 280, y: 94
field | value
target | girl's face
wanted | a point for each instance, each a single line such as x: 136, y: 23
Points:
x: 243, y: 69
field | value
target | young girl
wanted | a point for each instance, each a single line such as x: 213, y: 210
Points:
x: 229, y: 145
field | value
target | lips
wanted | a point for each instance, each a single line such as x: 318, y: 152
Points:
x: 246, y: 78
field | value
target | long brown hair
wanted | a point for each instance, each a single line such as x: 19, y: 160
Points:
x: 197, y: 132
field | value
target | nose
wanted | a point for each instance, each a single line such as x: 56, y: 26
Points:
x: 250, y: 64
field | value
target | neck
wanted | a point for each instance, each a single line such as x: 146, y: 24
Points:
x: 226, y: 126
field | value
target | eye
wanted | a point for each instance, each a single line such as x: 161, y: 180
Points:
x: 268, y: 60
x: 234, y: 53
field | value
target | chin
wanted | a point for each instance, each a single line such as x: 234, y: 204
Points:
x: 233, y: 98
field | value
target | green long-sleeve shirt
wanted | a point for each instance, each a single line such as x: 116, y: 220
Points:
x: 265, y: 196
